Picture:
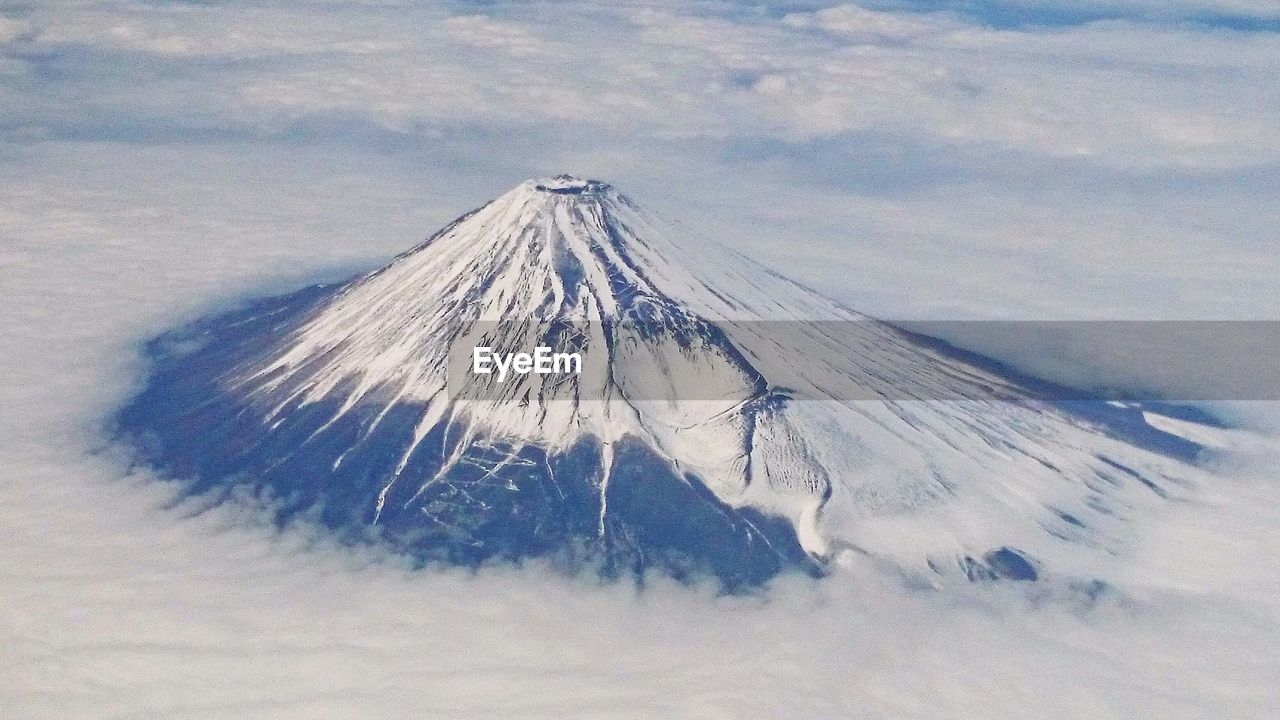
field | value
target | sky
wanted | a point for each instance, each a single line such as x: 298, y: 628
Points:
x: 946, y: 160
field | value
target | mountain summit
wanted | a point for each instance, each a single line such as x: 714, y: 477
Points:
x: 721, y: 418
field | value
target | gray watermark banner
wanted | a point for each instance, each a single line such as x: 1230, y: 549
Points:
x: 683, y: 358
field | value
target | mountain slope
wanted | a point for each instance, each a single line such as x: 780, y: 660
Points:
x: 725, y: 419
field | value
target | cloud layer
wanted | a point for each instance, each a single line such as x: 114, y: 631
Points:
x: 1119, y: 93
x: 160, y: 160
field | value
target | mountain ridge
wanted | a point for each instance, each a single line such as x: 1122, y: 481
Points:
x: 856, y: 439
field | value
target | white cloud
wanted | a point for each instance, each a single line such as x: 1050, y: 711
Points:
x: 871, y: 26
x: 11, y: 29
x: 484, y: 32
x: 113, y: 606
x: 1204, y: 100
x: 913, y: 165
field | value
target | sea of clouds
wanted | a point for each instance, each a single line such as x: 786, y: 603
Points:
x: 159, y: 161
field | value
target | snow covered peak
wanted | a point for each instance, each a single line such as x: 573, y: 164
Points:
x: 739, y: 377
x: 565, y: 184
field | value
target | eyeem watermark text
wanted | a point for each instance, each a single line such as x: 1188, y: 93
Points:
x: 542, y: 361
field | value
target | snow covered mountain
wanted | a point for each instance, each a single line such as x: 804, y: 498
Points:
x: 724, y: 420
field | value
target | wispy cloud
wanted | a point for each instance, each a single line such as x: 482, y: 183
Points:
x: 1120, y: 93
